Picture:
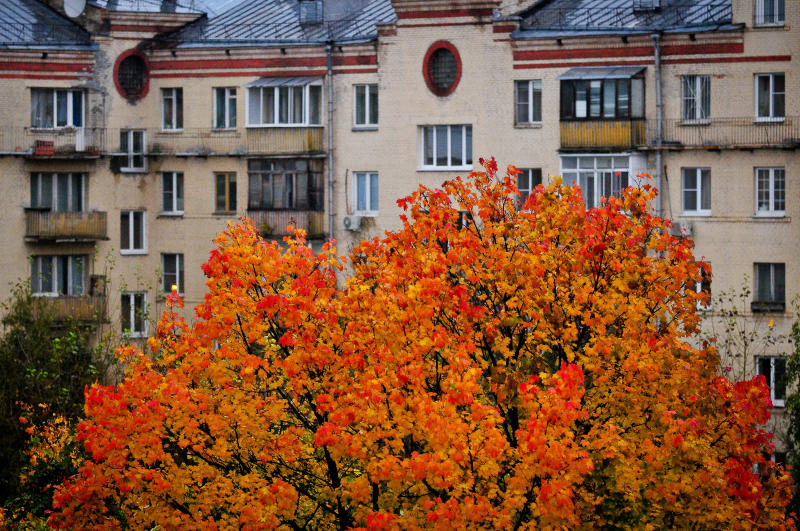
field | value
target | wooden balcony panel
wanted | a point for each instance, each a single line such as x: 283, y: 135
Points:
x: 602, y: 134
x: 273, y: 223
x: 77, y: 308
x: 44, y: 225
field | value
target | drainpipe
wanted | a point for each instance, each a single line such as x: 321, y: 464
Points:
x: 329, y: 51
x: 659, y: 121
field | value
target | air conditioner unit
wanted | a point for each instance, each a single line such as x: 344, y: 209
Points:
x: 351, y: 222
x: 682, y: 229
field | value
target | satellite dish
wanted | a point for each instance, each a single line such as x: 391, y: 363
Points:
x: 74, y: 8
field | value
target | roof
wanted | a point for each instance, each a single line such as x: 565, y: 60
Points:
x: 31, y: 23
x: 576, y: 17
x: 283, y: 81
x: 601, y: 72
x: 278, y: 21
x: 162, y: 6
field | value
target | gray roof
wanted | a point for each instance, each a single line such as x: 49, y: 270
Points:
x: 278, y: 21
x: 574, y: 17
x: 29, y: 23
x: 601, y: 72
x: 159, y: 6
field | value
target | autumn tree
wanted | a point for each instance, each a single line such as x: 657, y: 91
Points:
x: 489, y: 365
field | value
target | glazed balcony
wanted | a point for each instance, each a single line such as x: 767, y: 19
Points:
x: 593, y: 135
x: 727, y: 133
x: 75, y: 308
x: 273, y: 223
x: 43, y: 225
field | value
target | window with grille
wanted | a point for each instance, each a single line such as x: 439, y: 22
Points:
x: 132, y: 76
x: 442, y: 68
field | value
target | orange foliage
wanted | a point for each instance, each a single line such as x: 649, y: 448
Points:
x: 485, y: 367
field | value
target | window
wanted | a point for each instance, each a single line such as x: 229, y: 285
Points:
x: 225, y: 108
x: 284, y: 105
x: 770, y: 191
x: 696, y: 191
x: 703, y: 286
x: 58, y: 275
x: 366, y: 193
x: 441, y: 68
x: 285, y: 184
x: 696, y: 98
x: 770, y: 97
x: 171, y: 109
x: 225, y: 186
x: 366, y: 106
x: 310, y: 11
x: 172, y: 193
x: 594, y: 99
x: 132, y: 75
x: 52, y: 108
x: 59, y: 192
x: 172, y: 272
x: 132, y: 232
x: 770, y: 12
x: 773, y: 369
x: 770, y: 287
x: 134, y: 314
x: 131, y: 144
x: 446, y: 147
x: 527, y: 181
x: 597, y: 176
x: 528, y: 101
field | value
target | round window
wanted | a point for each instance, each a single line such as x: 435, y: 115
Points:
x: 131, y: 75
x: 442, y: 68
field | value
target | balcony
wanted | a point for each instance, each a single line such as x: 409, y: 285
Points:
x: 67, y: 142
x: 592, y: 135
x: 273, y: 223
x: 44, y: 225
x: 74, y: 308
x: 727, y: 133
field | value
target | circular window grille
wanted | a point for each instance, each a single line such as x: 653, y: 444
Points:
x: 132, y: 76
x: 442, y: 68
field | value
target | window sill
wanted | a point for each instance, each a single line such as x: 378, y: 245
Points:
x: 371, y: 214
x: 170, y: 215
x: 136, y: 252
x: 136, y: 335
x: 696, y: 214
x: 357, y: 128
x: 280, y: 126
x: 769, y: 120
x: 445, y: 168
x: 528, y: 125
x: 171, y: 131
x: 133, y: 170
x: 223, y: 129
x: 224, y: 213
x: 769, y: 25
x: 695, y: 122
x: 770, y: 215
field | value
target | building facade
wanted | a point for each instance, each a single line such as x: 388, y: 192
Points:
x: 135, y: 130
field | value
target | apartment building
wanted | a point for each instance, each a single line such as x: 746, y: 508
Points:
x: 135, y: 130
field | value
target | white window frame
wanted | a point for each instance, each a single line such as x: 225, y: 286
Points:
x: 701, y: 84
x: 772, y: 95
x: 527, y: 178
x: 600, y: 173
x: 771, y: 378
x: 176, y: 178
x: 37, y: 183
x: 229, y: 112
x: 533, y: 86
x: 306, y: 118
x: 178, y: 274
x: 774, y: 177
x: 698, y: 209
x: 70, y: 122
x: 761, y: 9
x: 134, y: 310
x: 169, y: 98
x: 131, y: 232
x: 466, y: 147
x: 369, y: 89
x: 370, y: 177
x: 130, y: 155
x: 36, y: 265
x: 698, y: 288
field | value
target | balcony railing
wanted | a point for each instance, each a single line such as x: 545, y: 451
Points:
x: 274, y: 222
x: 78, y: 308
x: 727, y: 133
x: 602, y: 134
x: 44, y: 225
x: 95, y: 141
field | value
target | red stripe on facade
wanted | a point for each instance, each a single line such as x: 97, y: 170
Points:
x: 275, y: 73
x: 356, y: 71
x: 507, y: 28
x: 39, y: 76
x: 443, y: 24
x: 448, y: 13
x: 281, y: 62
x: 633, y: 51
x: 604, y: 63
x: 46, y: 67
x: 698, y: 60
